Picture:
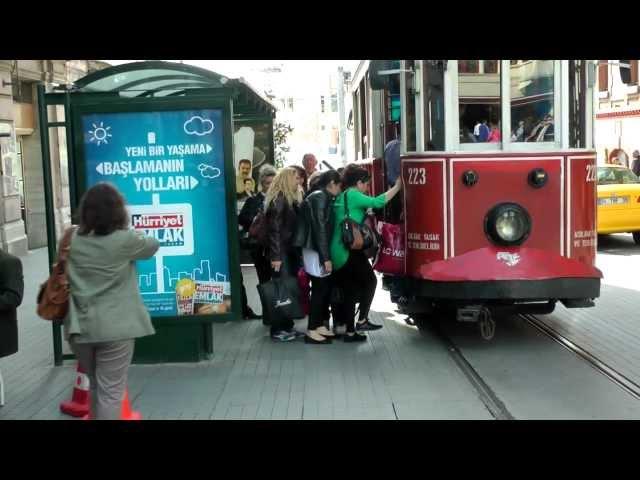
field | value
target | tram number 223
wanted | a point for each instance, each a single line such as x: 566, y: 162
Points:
x: 591, y: 173
x: 417, y: 176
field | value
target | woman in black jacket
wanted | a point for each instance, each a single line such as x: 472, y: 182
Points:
x: 281, y: 208
x: 313, y: 236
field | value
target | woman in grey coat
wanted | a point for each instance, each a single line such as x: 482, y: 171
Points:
x: 106, y: 313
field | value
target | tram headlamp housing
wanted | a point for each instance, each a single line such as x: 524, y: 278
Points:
x: 538, y: 178
x: 470, y: 178
x: 507, y: 224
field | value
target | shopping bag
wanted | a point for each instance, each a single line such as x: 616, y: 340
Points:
x: 280, y: 299
x: 390, y: 259
x: 305, y: 291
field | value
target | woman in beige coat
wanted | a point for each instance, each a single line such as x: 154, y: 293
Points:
x: 106, y: 313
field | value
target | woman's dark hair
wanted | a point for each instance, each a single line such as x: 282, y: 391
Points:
x: 102, y: 210
x: 327, y: 177
x: 303, y: 174
x: 353, y: 174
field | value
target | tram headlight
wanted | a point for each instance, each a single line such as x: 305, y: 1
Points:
x: 507, y: 224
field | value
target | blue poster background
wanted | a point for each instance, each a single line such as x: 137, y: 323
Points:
x: 179, y: 157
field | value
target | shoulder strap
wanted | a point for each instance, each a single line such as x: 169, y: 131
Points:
x: 346, y: 204
x: 65, y: 245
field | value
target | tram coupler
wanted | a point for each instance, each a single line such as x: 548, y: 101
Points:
x: 470, y: 314
x: 487, y: 326
x: 482, y: 316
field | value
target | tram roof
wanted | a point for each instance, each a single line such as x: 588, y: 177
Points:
x: 160, y: 79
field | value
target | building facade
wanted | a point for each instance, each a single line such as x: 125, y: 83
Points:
x: 311, y: 107
x: 617, y: 126
x: 22, y: 206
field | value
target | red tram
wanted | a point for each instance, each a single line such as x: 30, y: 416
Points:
x: 499, y: 207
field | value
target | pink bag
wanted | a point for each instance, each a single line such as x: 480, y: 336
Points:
x: 305, y: 291
x: 390, y: 259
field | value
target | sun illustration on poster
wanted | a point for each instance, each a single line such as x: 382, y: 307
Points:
x: 99, y: 134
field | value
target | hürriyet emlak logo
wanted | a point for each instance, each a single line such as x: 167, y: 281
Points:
x: 167, y: 228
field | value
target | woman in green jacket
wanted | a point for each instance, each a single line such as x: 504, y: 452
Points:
x: 353, y: 273
x: 106, y: 313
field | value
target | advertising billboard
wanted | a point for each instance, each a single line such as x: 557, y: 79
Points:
x: 170, y: 167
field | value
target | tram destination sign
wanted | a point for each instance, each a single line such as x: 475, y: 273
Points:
x: 169, y: 165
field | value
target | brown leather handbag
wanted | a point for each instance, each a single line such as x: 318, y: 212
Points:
x: 53, y: 297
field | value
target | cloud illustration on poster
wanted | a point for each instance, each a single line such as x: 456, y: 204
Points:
x: 198, y: 126
x: 207, y: 171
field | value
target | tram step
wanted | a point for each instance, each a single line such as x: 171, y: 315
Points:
x: 578, y: 302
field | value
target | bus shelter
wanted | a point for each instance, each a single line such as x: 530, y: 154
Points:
x: 182, y: 144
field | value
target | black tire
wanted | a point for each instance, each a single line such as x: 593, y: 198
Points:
x: 425, y: 321
x: 636, y: 237
x: 421, y: 321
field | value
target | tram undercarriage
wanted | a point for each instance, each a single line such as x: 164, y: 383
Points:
x: 468, y: 302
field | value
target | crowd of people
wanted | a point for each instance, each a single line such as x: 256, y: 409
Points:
x: 304, y: 210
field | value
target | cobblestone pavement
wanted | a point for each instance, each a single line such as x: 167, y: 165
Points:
x: 399, y: 373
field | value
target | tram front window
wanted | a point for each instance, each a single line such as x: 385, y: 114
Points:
x: 480, y: 99
x: 532, y: 100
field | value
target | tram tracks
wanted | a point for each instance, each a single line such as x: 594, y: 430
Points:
x: 496, y: 407
x: 616, y: 377
x: 487, y: 396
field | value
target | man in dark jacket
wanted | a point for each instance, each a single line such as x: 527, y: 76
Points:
x: 11, y: 291
x: 248, y: 213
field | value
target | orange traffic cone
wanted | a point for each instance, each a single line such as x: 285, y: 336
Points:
x: 78, y: 406
x: 126, y: 413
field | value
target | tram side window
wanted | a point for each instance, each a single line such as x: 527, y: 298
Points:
x: 409, y: 130
x: 577, y: 103
x: 433, y: 106
x: 532, y: 100
x: 393, y: 107
x: 479, y: 101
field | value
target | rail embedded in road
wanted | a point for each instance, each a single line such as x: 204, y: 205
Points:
x: 615, y: 376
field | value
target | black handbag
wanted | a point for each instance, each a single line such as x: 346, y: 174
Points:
x: 373, y: 238
x: 280, y: 298
x: 357, y: 236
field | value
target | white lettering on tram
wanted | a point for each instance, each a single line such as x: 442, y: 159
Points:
x: 423, y: 241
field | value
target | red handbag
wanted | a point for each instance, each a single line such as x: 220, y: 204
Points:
x: 258, y: 229
x: 305, y: 291
x: 390, y: 259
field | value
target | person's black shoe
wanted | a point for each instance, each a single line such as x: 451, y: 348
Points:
x: 367, y: 326
x: 308, y: 339
x: 356, y: 337
x: 251, y: 315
